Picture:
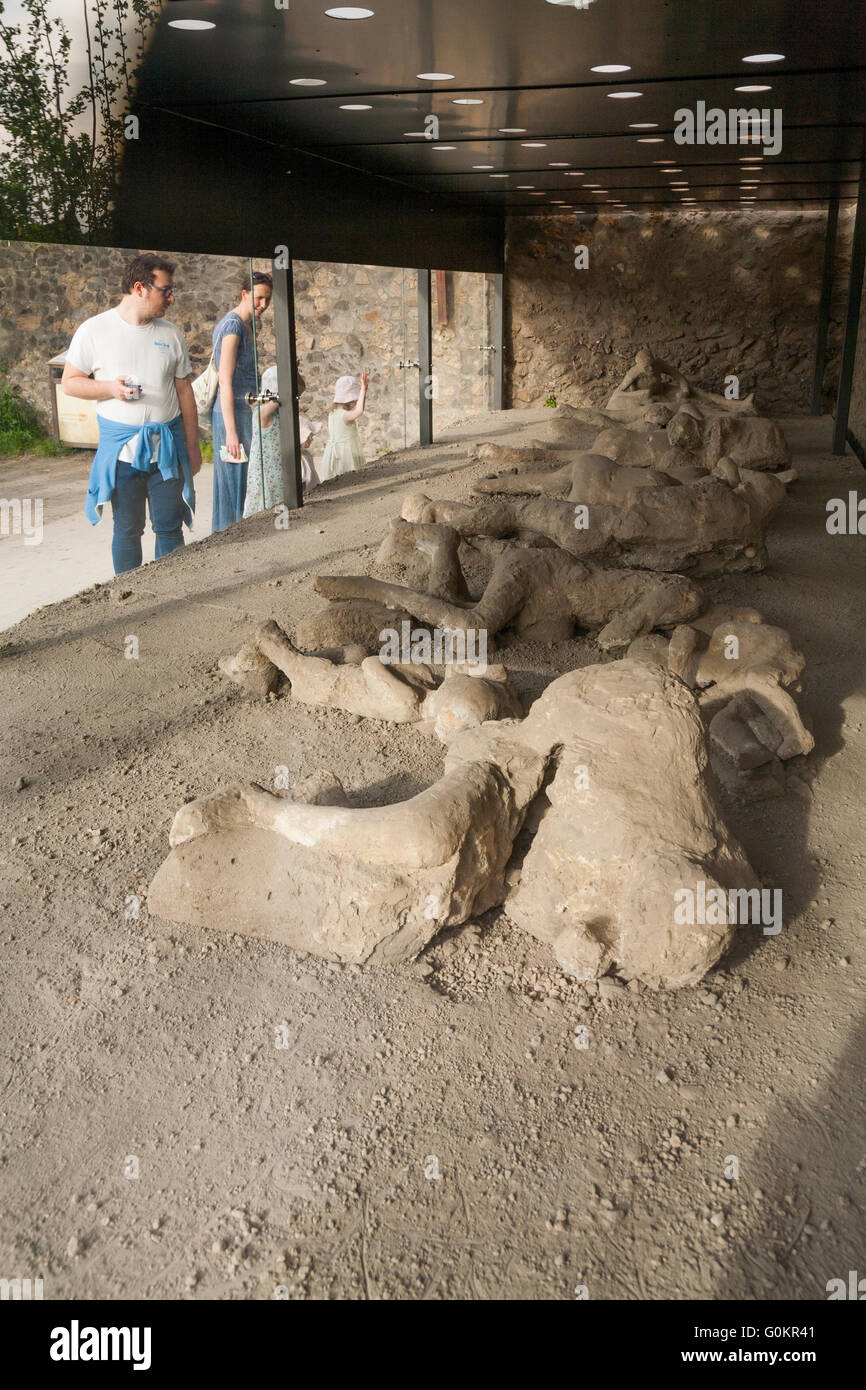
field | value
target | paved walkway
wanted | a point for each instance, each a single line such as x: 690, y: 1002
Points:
x: 72, y: 554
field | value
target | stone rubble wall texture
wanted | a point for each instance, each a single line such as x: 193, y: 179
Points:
x: 713, y: 292
x: 348, y: 317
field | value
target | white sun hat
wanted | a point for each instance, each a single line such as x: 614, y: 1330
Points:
x: 307, y: 428
x: 348, y: 389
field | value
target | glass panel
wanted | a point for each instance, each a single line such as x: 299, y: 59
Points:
x: 354, y: 318
x: 462, y: 336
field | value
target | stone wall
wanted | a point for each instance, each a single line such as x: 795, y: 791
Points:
x: 348, y: 317
x: 717, y: 293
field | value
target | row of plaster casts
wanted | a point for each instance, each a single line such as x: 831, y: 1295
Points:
x: 600, y: 881
x: 716, y: 524
x: 743, y: 667
x: 752, y: 718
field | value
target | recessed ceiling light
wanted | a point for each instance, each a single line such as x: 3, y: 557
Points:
x: 643, y: 125
x: 764, y: 58
x: 650, y: 140
x: 662, y: 161
x: 349, y: 12
x: 512, y: 130
x: 558, y: 202
x: 624, y: 96
x: 190, y: 24
x: 435, y: 76
x: 538, y: 195
x: 499, y: 176
x: 600, y: 190
x: 417, y: 134
x: 557, y: 164
x: 575, y: 174
x: 444, y: 147
x: 672, y: 171
x: 593, y: 185
x: 482, y: 166
x: 355, y: 106
x: 307, y: 82
x: 753, y: 88
x: 525, y: 187
x: 468, y: 101
x: 611, y: 67
x: 533, y: 144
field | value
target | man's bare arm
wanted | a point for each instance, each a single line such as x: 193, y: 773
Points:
x: 189, y: 418
x: 78, y: 383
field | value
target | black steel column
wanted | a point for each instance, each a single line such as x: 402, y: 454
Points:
x: 287, y: 379
x: 824, y: 306
x: 425, y: 357
x: 852, y: 320
x: 498, y: 343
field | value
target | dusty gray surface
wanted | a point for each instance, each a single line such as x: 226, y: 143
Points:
x: 304, y: 1166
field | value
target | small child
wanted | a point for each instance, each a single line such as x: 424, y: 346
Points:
x: 308, y: 469
x: 343, y: 449
x: 265, y: 474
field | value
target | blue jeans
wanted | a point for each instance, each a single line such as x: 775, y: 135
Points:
x: 230, y: 479
x: 132, y: 491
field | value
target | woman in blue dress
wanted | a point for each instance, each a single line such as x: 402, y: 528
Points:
x: 232, y: 418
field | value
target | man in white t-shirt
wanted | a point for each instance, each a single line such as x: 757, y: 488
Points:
x: 135, y: 364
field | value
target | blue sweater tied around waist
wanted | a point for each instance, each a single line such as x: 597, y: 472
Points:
x: 172, y: 461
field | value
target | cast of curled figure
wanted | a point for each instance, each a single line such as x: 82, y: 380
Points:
x: 653, y: 381
x: 471, y: 691
x: 600, y: 882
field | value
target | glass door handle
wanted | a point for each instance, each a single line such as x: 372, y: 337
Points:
x: 409, y: 363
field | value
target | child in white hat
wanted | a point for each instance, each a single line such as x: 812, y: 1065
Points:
x: 343, y: 450
x: 308, y: 430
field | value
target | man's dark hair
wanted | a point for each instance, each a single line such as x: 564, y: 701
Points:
x: 140, y: 270
x: 259, y: 278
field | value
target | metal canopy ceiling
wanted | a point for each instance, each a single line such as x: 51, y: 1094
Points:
x: 528, y: 63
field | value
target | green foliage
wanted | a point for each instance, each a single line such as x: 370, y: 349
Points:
x: 551, y: 401
x: 207, y: 450
x: 20, y: 430
x: 62, y: 149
